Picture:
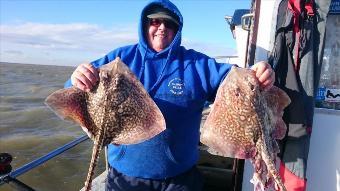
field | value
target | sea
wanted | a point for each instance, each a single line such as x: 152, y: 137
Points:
x: 29, y: 129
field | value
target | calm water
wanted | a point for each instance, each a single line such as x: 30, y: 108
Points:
x: 28, y: 129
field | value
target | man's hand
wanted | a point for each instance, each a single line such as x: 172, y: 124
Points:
x: 265, y: 74
x: 85, y: 77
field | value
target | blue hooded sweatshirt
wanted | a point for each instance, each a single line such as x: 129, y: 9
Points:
x: 180, y: 81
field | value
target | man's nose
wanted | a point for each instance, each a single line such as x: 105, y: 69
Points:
x: 162, y: 26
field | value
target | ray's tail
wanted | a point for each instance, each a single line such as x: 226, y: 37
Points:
x: 271, y: 167
x: 97, y: 147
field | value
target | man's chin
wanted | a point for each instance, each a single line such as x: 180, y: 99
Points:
x: 160, y: 47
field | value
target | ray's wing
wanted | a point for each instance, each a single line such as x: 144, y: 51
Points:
x: 231, y: 129
x: 136, y: 116
x: 119, y: 104
x: 69, y: 104
x: 233, y: 126
x: 277, y: 100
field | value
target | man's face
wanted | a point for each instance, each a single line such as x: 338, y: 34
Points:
x: 160, y: 33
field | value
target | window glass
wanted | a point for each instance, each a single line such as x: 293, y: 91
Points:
x: 329, y: 87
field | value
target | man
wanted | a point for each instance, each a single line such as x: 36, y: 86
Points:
x: 180, y: 81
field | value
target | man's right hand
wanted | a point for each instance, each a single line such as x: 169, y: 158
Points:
x: 85, y: 77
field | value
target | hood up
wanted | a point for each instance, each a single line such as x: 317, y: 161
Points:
x: 143, y: 45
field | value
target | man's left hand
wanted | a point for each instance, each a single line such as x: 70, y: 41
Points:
x: 265, y: 74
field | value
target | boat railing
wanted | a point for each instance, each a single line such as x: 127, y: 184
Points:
x: 11, y: 176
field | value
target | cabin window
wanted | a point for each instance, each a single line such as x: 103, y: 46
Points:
x: 328, y: 95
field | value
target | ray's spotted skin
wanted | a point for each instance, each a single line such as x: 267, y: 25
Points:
x: 118, y: 110
x: 245, y: 122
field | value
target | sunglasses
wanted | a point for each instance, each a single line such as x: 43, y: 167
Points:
x: 167, y: 23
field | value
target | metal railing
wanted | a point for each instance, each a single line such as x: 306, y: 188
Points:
x: 11, y: 177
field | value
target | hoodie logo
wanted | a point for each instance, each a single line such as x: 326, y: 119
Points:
x: 176, y: 86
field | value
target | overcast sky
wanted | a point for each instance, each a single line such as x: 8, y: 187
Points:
x: 68, y: 32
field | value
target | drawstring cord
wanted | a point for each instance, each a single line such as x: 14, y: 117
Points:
x: 143, y: 65
x: 162, y: 71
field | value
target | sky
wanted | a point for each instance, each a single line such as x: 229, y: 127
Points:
x: 70, y: 32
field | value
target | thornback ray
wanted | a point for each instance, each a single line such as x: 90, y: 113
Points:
x: 118, y: 110
x: 245, y: 122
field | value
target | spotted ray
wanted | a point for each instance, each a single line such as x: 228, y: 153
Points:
x: 245, y: 122
x: 118, y: 110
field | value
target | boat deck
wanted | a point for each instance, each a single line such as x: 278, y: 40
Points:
x: 98, y: 183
